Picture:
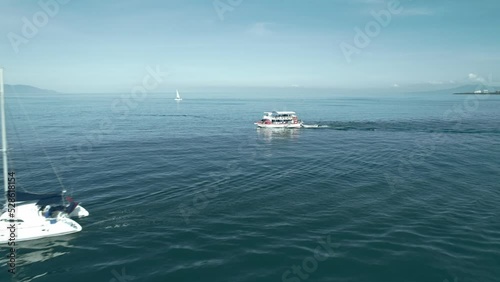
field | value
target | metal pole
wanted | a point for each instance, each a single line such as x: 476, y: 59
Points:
x: 4, y: 137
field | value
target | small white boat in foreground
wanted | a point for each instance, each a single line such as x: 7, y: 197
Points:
x: 279, y: 120
x: 28, y: 216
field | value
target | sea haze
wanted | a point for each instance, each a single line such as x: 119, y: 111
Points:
x: 399, y: 187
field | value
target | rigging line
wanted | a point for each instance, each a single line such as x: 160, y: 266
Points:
x: 43, y: 148
x: 11, y: 160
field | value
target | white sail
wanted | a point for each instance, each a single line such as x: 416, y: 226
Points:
x: 177, y: 97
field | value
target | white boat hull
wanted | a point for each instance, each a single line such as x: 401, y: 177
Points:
x: 291, y: 125
x: 32, y: 225
x: 79, y: 212
x: 42, y: 230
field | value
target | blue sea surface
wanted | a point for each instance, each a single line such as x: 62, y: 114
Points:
x: 400, y: 187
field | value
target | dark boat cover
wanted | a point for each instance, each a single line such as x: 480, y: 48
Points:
x: 42, y: 199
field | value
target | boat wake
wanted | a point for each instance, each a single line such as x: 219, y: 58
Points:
x: 166, y: 115
x: 310, y: 126
x: 428, y: 126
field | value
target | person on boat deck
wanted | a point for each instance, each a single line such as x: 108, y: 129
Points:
x: 49, y: 210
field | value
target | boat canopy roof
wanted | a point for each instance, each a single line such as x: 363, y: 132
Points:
x: 42, y: 199
x: 279, y: 113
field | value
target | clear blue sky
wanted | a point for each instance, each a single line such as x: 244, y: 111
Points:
x: 101, y: 46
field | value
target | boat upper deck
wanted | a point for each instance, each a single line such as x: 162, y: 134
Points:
x: 279, y: 114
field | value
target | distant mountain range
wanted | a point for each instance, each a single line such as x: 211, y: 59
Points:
x: 26, y: 89
x: 459, y: 89
x: 472, y: 88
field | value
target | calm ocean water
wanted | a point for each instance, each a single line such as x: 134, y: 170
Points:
x: 389, y: 188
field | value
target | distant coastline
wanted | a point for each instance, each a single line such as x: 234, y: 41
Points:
x: 478, y: 93
x: 27, y: 89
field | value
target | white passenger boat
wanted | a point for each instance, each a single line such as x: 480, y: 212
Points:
x: 279, y: 120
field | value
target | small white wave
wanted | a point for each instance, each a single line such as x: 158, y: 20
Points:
x: 117, y: 226
x: 310, y: 126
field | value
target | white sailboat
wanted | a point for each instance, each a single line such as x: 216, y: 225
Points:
x: 177, y: 97
x: 28, y: 216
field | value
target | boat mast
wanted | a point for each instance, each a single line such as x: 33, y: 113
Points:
x: 4, y: 138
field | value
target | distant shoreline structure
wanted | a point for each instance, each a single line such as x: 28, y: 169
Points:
x: 479, y: 92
